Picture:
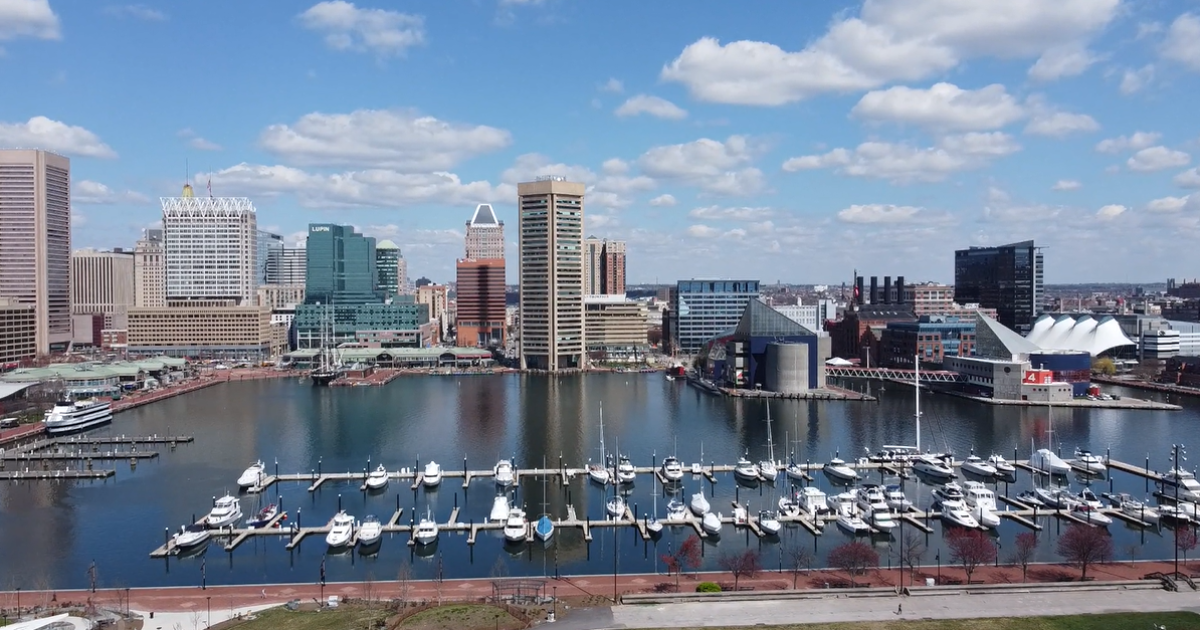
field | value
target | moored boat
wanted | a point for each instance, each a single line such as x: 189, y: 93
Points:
x: 70, y: 416
x: 503, y: 473
x: 252, y: 476
x: 838, y: 469
x: 263, y: 517
x: 516, y: 528
x: 191, y: 536
x: 341, y: 531
x: 427, y: 530
x: 226, y: 511
x: 370, y: 531
x: 433, y: 475
x: 711, y: 524
x: 377, y: 479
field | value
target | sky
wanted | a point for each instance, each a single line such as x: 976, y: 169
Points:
x: 796, y: 141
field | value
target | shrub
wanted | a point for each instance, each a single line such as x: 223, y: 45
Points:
x: 708, y: 587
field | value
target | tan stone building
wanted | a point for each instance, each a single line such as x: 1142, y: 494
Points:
x: 206, y: 330
x: 150, y: 271
x: 616, y: 328
x: 18, y: 332
x: 102, y: 282
x: 436, y: 296
x: 280, y: 296
x: 551, y: 274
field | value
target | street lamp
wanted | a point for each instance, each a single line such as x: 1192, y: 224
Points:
x: 554, y: 615
x: 1177, y: 453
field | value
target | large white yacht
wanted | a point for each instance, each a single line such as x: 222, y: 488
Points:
x: 503, y: 472
x: 933, y: 466
x: 873, y: 505
x: 427, y: 530
x: 516, y: 528
x: 897, y: 500
x: 976, y: 465
x: 812, y: 500
x: 745, y: 470
x: 68, y: 416
x: 225, y: 511
x: 982, y: 503
x: 672, y: 469
x: 341, y: 531
x: 253, y: 475
x: 1088, y: 462
x: 626, y: 473
x: 370, y: 531
x: 956, y: 513
x: 377, y: 479
x: 1181, y: 481
x: 838, y: 469
x: 433, y: 475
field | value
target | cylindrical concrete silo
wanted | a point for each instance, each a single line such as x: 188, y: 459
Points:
x: 787, y: 368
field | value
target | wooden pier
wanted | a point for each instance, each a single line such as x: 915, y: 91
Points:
x: 53, y: 475
x: 77, y: 455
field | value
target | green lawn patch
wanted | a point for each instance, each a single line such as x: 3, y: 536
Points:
x: 338, y: 618
x: 462, y: 617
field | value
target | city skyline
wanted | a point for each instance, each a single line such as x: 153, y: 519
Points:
x: 891, y: 138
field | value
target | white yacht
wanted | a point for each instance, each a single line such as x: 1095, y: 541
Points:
x: 225, y: 512
x: 1001, y: 465
x: 847, y: 515
x: 499, y: 509
x: 377, y: 479
x: 1136, y: 509
x: 1086, y: 461
x: 838, y: 469
x: 789, y: 506
x: 897, y: 500
x: 516, y: 528
x: 1053, y: 497
x: 672, y: 469
x: 699, y: 504
x: 67, y: 416
x: 932, y: 465
x: 1044, y: 460
x: 948, y: 492
x: 191, y: 536
x: 341, y: 530
x: 653, y: 525
x: 626, y: 473
x: 433, y: 475
x: 769, y: 468
x: 1089, y: 498
x: 768, y: 522
x: 253, y: 475
x: 615, y: 507
x: 1090, y: 515
x: 977, y: 466
x: 1182, y: 482
x: 427, y: 530
x: 812, y: 501
x: 503, y: 472
x: 873, y: 505
x: 676, y: 510
x: 370, y: 531
x: 982, y: 503
x: 745, y: 470
x: 956, y: 513
x: 1174, y: 513
x: 711, y: 523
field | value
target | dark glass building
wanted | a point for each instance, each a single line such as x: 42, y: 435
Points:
x: 1007, y: 278
x: 341, y: 266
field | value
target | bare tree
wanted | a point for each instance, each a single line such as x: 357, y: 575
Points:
x: 1083, y: 545
x: 404, y: 582
x: 741, y: 564
x: 1023, y: 551
x: 439, y: 577
x: 368, y: 586
x: 799, y: 559
x: 912, y: 549
x: 853, y: 557
x: 195, y: 617
x: 1132, y: 551
x: 970, y: 548
x: 1185, y: 540
x: 687, y: 556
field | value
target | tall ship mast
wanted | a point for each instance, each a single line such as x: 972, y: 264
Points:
x: 327, y: 369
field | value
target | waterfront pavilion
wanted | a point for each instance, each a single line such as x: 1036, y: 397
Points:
x: 395, y: 357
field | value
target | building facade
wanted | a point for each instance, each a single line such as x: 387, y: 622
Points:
x: 616, y: 329
x: 211, y: 246
x: 403, y: 323
x: 102, y: 282
x: 267, y: 244
x: 150, y: 271
x: 551, y: 274
x: 35, y: 240
x: 479, y: 291
x: 280, y: 296
x: 1008, y: 278
x: 205, y: 330
x: 341, y: 266
x: 703, y: 309
x: 932, y: 337
x: 387, y: 264
x: 593, y: 265
x: 437, y: 298
x: 811, y: 316
x: 612, y: 268
x: 286, y: 265
x: 485, y: 234
x: 18, y: 333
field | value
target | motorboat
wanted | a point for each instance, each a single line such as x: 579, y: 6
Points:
x: 190, y: 536
x: 1090, y: 515
x: 433, y: 475
x: 672, y: 469
x: 931, y: 465
x: 812, y: 501
x: 427, y: 530
x: 1001, y: 465
x: 745, y: 470
x: 768, y: 522
x: 711, y: 523
x: 70, y: 416
x: 898, y: 456
x: 837, y: 501
x: 341, y: 531
x: 872, y: 503
x: 838, y: 469
x: 503, y: 472
x: 956, y: 513
x: 740, y: 516
x: 371, y: 531
x: 252, y: 476
x: 948, y: 492
x: 598, y: 473
x: 226, y: 511
x: 263, y: 517
x: 1087, y: 497
x: 982, y: 503
x: 795, y: 472
x: 699, y: 504
x: 788, y: 506
x: 378, y: 479
x: 977, y: 466
x: 1132, y: 507
x: 676, y: 510
x: 516, y: 528
x: 896, y: 499
x: 1179, y: 483
x: 1087, y: 462
x: 1190, y: 509
x: 544, y: 528
x: 1053, y: 497
x: 1173, y: 513
x: 847, y: 516
x: 626, y: 473
x: 499, y: 509
x: 1044, y: 460
x: 615, y: 507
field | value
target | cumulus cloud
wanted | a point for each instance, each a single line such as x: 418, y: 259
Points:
x: 40, y: 132
x: 718, y: 168
x: 903, y: 163
x: 612, y: 85
x: 702, y: 231
x: 615, y: 166
x: 613, y: 190
x: 139, y: 11
x: 942, y: 107
x: 1156, y: 159
x: 1110, y: 212
x: 1169, y: 205
x: 663, y: 201
x: 88, y: 192
x: 1139, y: 140
x: 1062, y: 61
x: 399, y: 139
x: 651, y: 106
x: 718, y: 213
x: 1188, y: 179
x: 347, y: 27
x: 1057, y: 124
x: 28, y: 18
x: 1182, y: 43
x: 890, y: 40
x: 878, y: 213
x: 530, y: 166
x: 1067, y: 184
x: 1133, y: 81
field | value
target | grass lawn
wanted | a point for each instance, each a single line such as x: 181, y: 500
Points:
x: 339, y: 618
x: 462, y: 617
x: 1120, y: 621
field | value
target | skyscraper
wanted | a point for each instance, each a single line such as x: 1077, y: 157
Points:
x: 267, y: 244
x: 211, y: 246
x: 593, y: 262
x: 342, y: 266
x: 1008, y: 278
x: 150, y: 271
x: 286, y: 266
x: 387, y: 262
x: 612, y: 268
x: 35, y: 240
x: 102, y: 282
x: 551, y: 274
x: 479, y: 278
x: 485, y: 234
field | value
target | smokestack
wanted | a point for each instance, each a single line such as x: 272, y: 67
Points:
x: 887, y: 289
x: 874, y: 289
x: 900, y: 290
x: 858, y: 290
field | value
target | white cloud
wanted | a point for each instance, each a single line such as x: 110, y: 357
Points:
x: 347, y: 27
x: 1188, y: 179
x: 1057, y: 124
x: 651, y: 105
x: 1156, y: 159
x: 663, y: 201
x: 1062, y: 61
x: 702, y: 231
x: 1139, y: 140
x: 1167, y: 205
x: 718, y: 213
x: 139, y: 11
x: 1182, y: 43
x: 400, y: 139
x: 595, y: 220
x: 530, y: 166
x: 1066, y: 184
x: 890, y: 40
x: 615, y: 166
x: 1133, y: 81
x: 89, y: 192
x: 1110, y: 212
x: 903, y: 163
x: 613, y: 190
x: 944, y: 106
x: 28, y: 18
x: 201, y: 144
x: 40, y: 132
x: 719, y: 168
x: 613, y: 85
x: 878, y: 213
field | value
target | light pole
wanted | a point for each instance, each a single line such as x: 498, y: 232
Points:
x: 1177, y: 453
x: 208, y: 615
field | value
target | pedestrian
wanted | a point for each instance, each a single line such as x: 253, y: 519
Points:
x: 900, y: 608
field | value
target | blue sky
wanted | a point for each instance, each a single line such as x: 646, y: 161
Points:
x: 794, y: 141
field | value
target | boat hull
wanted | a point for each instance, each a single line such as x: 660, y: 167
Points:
x: 91, y: 418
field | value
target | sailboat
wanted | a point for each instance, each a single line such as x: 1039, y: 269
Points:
x: 615, y: 507
x: 1044, y: 459
x: 598, y: 472
x: 544, y: 528
x: 327, y: 369
x: 768, y: 469
x: 652, y: 524
x: 937, y: 466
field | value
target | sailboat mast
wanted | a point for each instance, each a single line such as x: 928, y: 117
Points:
x: 917, y: 386
x: 770, y: 443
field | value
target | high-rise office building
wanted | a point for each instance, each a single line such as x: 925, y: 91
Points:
x: 1008, y: 278
x: 286, y: 266
x: 485, y: 234
x: 102, y: 282
x: 18, y: 333
x: 387, y: 262
x: 593, y: 263
x: 35, y: 240
x: 211, y: 246
x: 437, y: 298
x: 150, y: 271
x: 703, y: 309
x: 612, y: 268
x: 551, y: 274
x: 342, y: 266
x: 267, y: 244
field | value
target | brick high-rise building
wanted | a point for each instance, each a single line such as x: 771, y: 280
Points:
x: 479, y: 283
x: 612, y: 268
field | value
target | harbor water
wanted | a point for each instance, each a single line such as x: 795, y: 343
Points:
x: 52, y: 532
